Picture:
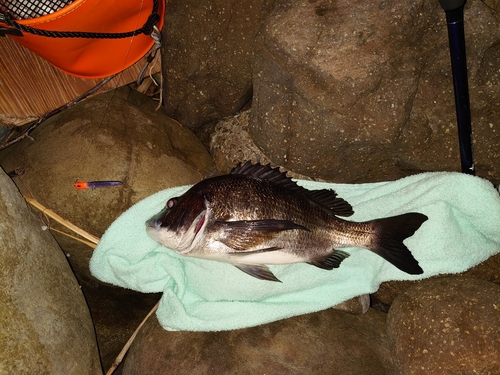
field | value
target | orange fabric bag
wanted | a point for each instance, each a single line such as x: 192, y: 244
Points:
x: 91, y: 57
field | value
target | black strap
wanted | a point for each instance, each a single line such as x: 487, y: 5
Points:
x: 17, y: 29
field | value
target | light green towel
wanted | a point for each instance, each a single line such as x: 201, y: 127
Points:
x: 203, y: 295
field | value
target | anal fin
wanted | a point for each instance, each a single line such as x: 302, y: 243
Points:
x: 331, y: 260
x: 259, y: 271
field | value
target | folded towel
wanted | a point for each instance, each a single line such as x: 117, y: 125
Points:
x: 203, y: 295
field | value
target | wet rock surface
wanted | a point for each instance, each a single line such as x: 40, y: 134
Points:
x: 45, y: 325
x: 487, y: 271
x: 207, y: 58
x: 231, y: 144
x: 116, y: 313
x: 446, y: 326
x: 327, y: 342
x: 363, y: 92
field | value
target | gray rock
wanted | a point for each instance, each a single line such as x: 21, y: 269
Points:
x: 114, y: 136
x: 45, y: 326
x: 231, y: 144
x: 207, y: 54
x: 327, y: 342
x: 493, y: 4
x: 446, y: 326
x: 487, y: 270
x: 353, y: 92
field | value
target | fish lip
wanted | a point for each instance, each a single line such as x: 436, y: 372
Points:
x: 155, y: 221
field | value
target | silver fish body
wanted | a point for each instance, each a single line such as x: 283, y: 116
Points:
x: 256, y: 215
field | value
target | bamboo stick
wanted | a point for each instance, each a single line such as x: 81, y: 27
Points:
x: 88, y: 243
x: 61, y: 220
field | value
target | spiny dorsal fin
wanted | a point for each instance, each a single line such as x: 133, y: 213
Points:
x: 266, y: 172
x: 325, y: 197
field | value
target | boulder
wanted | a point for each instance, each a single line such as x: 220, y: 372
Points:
x: 45, y: 325
x: 446, y: 326
x: 231, y: 144
x: 327, y: 342
x: 207, y: 55
x: 113, y: 136
x: 487, y: 271
x: 358, y: 92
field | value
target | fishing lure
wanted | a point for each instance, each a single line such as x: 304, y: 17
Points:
x: 80, y: 185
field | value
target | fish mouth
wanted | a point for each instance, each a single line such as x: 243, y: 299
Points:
x: 156, y: 221
x: 180, y: 240
x: 153, y: 224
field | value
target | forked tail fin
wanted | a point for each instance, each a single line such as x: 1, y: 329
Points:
x: 388, y: 240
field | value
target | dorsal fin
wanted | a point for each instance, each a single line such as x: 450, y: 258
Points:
x: 325, y: 197
x: 266, y: 172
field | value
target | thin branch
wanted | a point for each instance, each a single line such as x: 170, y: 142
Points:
x: 56, y: 111
x: 88, y: 243
x: 125, y: 349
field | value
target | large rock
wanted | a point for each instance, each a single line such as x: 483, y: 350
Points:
x: 487, y: 270
x: 353, y: 92
x: 327, y: 342
x: 207, y: 55
x: 446, y: 326
x: 45, y: 326
x: 114, y: 136
x: 231, y: 144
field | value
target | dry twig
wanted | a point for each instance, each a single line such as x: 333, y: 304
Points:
x: 125, y: 349
x: 47, y: 115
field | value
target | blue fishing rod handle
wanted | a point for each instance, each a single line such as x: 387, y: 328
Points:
x: 451, y: 4
x: 454, y: 10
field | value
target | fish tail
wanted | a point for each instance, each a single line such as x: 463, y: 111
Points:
x: 388, y: 237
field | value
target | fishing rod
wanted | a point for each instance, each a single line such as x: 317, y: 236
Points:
x: 454, y: 10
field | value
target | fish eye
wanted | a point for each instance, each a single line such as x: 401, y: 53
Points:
x: 171, y: 202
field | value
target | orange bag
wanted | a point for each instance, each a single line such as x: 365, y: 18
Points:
x: 125, y: 27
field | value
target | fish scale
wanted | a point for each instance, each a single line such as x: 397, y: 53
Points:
x: 325, y: 230
x: 256, y: 215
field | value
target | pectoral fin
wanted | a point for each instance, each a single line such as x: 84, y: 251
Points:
x: 259, y: 251
x: 247, y: 234
x: 269, y: 225
x: 259, y: 271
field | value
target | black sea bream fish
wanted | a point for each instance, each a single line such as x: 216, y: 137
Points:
x: 256, y: 215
